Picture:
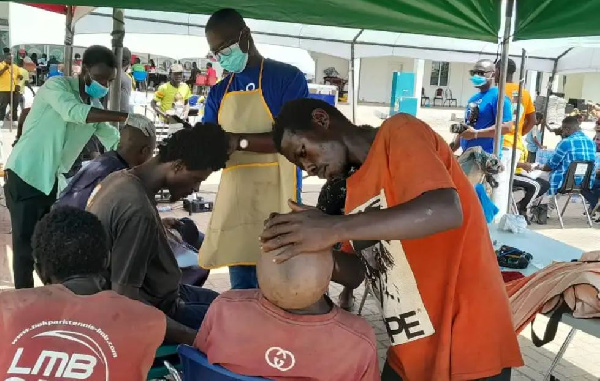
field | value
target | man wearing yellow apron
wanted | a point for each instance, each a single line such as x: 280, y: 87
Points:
x: 257, y: 181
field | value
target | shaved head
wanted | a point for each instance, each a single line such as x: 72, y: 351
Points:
x: 135, y: 146
x: 297, y: 283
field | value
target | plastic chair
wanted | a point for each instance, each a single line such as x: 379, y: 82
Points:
x: 163, y: 353
x: 439, y: 96
x: 449, y: 98
x: 197, y: 368
x: 578, y: 177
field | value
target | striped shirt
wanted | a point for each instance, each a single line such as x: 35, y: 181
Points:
x: 577, y: 147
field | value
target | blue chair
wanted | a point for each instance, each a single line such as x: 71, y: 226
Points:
x: 197, y: 368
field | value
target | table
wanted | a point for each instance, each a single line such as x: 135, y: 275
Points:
x: 546, y: 250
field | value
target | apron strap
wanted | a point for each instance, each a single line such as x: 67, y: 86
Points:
x: 260, y: 73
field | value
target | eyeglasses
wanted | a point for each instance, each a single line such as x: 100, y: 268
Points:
x: 225, y: 51
x: 479, y: 72
x: 227, y: 47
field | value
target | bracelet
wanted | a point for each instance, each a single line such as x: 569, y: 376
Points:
x: 476, y: 134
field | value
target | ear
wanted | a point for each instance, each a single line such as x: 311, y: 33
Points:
x: 178, y: 166
x: 321, y: 117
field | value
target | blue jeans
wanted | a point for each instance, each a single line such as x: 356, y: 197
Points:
x: 196, y: 301
x: 243, y: 277
x: 593, y: 195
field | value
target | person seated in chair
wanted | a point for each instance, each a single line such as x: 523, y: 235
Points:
x: 574, y: 146
x: 534, y: 187
x: 143, y: 265
x: 136, y: 146
x: 294, y: 326
x: 72, y: 313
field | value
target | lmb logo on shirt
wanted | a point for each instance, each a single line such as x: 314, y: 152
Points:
x: 60, y: 350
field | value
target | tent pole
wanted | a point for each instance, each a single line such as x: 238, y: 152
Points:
x: 514, y: 158
x: 549, y: 92
x: 352, y: 86
x: 68, y: 61
x: 118, y: 34
x: 505, y: 45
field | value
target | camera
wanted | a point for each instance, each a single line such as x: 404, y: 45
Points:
x: 472, y: 116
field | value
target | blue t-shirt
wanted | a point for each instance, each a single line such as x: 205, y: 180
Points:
x: 281, y: 83
x: 488, y: 105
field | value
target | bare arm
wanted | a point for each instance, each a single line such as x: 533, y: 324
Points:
x: 260, y: 143
x: 176, y: 332
x: 348, y: 270
x: 529, y: 122
x: 97, y: 115
x: 311, y: 230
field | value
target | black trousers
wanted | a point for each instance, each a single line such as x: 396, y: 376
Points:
x: 5, y: 102
x: 388, y: 374
x: 27, y: 206
x: 534, y: 188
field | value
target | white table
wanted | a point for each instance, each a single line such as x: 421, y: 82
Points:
x: 545, y: 250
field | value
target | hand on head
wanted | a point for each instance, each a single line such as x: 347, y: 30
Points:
x: 304, y: 230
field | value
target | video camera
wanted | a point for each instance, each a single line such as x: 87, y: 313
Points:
x: 473, y: 113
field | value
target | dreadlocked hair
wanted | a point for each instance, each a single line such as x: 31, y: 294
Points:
x: 202, y: 147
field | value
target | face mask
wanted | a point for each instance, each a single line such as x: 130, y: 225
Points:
x: 96, y: 90
x: 478, y: 80
x: 234, y: 62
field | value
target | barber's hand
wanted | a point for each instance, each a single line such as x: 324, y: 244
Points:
x: 304, y: 230
x: 526, y: 166
x: 234, y: 143
x: 469, y: 133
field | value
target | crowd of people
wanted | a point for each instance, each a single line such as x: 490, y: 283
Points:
x: 405, y: 219
x: 538, y: 182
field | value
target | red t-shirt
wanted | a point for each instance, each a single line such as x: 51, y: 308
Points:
x: 52, y: 334
x: 248, y: 335
x: 444, y: 301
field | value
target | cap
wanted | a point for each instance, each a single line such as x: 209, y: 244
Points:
x: 176, y: 68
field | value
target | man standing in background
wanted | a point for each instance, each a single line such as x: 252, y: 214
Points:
x: 126, y: 82
x: 527, y: 119
x: 172, y: 97
x: 257, y: 181
x: 8, y: 86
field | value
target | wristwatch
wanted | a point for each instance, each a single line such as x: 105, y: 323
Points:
x: 243, y: 144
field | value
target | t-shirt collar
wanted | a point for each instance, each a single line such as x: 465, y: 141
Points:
x: 304, y: 319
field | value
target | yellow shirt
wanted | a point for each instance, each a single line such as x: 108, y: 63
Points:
x: 25, y: 74
x: 5, y: 77
x: 527, y: 107
x: 167, y: 94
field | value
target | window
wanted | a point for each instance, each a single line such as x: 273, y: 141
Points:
x: 439, y: 73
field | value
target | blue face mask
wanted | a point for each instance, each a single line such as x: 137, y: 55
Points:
x: 478, y: 80
x: 96, y: 90
x: 235, y: 61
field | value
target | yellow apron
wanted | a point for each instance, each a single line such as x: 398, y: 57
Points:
x: 253, y: 185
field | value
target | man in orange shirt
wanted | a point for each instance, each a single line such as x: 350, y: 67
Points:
x: 70, y: 328
x: 527, y: 119
x: 416, y: 224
